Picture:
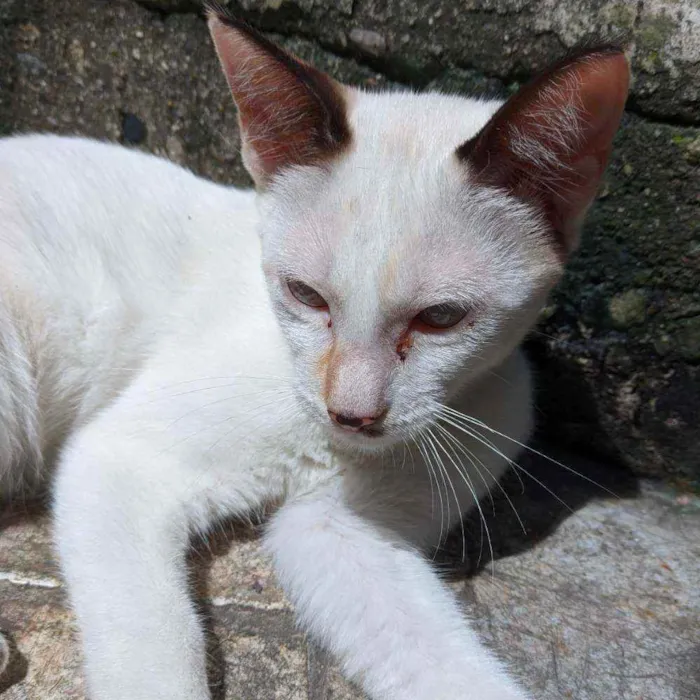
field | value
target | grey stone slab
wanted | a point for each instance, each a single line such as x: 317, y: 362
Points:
x: 608, y: 606
x: 598, y: 604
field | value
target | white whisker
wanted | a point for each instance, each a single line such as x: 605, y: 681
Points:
x: 481, y: 424
x: 433, y: 478
x: 474, y: 435
x: 441, y: 471
x: 472, y: 461
x: 497, y: 482
x: 472, y: 490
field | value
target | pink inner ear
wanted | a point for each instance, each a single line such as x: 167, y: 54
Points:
x: 289, y: 112
x: 550, y: 143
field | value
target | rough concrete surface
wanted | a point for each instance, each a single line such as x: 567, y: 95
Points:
x: 597, y: 605
x: 602, y: 604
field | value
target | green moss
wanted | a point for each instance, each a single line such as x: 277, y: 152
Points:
x: 692, y: 150
x: 622, y: 16
x: 679, y: 139
x: 628, y: 308
x: 655, y: 32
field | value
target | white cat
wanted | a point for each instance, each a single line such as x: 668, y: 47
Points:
x: 345, y: 345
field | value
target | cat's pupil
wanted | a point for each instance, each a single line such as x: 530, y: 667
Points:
x: 305, y: 294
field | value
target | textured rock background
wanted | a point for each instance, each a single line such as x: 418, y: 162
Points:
x: 601, y: 605
x: 619, y: 348
x: 414, y: 40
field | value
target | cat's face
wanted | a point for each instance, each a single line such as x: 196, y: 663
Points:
x: 409, y: 241
x: 394, y: 279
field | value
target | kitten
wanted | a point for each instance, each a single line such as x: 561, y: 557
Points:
x: 345, y: 343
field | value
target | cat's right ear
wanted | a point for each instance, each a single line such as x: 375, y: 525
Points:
x: 548, y: 145
x: 289, y: 112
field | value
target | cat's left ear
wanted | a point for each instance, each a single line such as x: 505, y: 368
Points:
x: 289, y: 112
x: 549, y: 143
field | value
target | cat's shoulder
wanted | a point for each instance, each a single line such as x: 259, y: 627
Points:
x: 21, y: 145
x: 68, y: 168
x: 40, y: 151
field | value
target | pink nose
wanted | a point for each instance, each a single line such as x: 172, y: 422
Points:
x: 351, y: 422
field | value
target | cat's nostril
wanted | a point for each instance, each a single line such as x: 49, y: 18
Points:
x: 351, y: 421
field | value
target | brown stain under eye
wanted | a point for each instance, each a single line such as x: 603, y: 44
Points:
x: 405, y: 344
x: 322, y: 365
x: 327, y: 369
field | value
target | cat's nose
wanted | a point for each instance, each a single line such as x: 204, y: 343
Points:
x: 352, y: 423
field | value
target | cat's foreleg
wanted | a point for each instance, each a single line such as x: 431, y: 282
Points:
x: 375, y: 601
x: 124, y: 513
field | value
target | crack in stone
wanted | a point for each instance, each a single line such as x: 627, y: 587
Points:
x: 19, y: 579
x: 225, y: 601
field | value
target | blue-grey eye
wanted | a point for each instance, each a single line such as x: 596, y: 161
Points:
x: 306, y: 295
x: 441, y: 316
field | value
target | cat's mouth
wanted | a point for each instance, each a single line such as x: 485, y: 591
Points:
x: 370, y: 438
x: 372, y: 431
x: 365, y: 427
x: 368, y: 431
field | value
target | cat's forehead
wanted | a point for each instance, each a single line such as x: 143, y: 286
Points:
x: 403, y: 128
x: 400, y: 191
x: 401, y: 167
x: 401, y: 175
x: 396, y: 213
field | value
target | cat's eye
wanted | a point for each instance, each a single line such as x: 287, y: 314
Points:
x: 441, y: 316
x: 306, y: 295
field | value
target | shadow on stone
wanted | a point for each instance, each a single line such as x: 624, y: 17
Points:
x: 204, y: 551
x: 565, y: 409
x: 17, y: 665
x: 550, y: 483
x: 535, y: 499
x: 20, y: 510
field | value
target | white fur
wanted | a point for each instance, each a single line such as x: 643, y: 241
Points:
x: 4, y: 654
x: 139, y: 335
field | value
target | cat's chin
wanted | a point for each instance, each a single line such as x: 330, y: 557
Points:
x: 367, y: 442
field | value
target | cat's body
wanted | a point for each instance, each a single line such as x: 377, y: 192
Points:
x: 83, y: 304
x: 346, y: 348
x: 122, y: 319
x: 155, y: 273
x: 160, y: 258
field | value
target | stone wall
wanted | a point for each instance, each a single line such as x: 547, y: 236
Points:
x: 618, y: 349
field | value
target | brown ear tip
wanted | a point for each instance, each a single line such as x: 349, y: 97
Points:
x: 588, y: 52
x: 610, y: 62
x: 213, y: 10
x: 612, y: 52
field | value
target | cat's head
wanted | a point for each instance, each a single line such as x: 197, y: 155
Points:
x: 410, y: 240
